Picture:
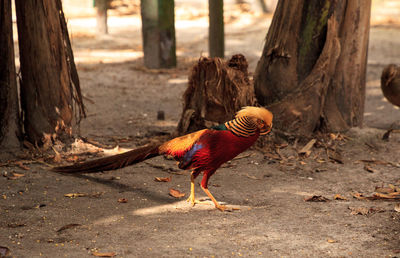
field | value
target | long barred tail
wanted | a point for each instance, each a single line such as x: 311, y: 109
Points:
x: 112, y: 162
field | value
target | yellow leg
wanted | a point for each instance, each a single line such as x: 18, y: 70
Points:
x: 191, y: 197
x: 217, y: 205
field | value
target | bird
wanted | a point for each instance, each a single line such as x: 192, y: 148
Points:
x: 390, y: 84
x: 203, y: 151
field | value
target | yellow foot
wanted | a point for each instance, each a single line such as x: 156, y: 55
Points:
x: 191, y: 200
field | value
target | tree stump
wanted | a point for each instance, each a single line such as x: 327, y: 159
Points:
x: 217, y: 90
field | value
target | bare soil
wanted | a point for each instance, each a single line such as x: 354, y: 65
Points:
x: 274, y: 220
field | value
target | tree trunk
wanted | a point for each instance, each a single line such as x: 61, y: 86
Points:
x: 158, y: 29
x: 312, y: 71
x: 9, y: 126
x: 49, y: 83
x: 216, y: 41
x: 101, y: 18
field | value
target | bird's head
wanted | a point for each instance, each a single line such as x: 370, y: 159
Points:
x: 262, y: 117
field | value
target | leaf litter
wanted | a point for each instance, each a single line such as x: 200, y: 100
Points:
x: 162, y: 179
x: 364, y: 210
x: 390, y: 193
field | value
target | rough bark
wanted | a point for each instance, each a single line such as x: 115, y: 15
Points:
x: 217, y: 90
x: 312, y: 71
x: 158, y: 29
x: 9, y: 126
x: 49, y: 83
x: 216, y: 41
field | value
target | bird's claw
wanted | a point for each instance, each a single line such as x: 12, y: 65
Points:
x: 191, y: 200
x: 223, y: 208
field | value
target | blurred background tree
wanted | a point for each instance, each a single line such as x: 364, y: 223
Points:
x: 9, y: 111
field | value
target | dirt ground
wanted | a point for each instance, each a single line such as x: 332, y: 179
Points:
x: 128, y: 214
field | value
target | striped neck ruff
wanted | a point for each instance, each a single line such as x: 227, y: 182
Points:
x: 242, y: 126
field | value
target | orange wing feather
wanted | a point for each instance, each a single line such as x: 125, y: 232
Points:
x: 178, y: 146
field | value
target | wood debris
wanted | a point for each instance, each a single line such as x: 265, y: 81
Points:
x: 316, y: 198
x: 306, y: 150
x: 162, y: 179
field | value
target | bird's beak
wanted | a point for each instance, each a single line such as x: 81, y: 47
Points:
x: 265, y: 130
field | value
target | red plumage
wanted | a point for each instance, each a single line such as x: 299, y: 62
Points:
x: 219, y: 147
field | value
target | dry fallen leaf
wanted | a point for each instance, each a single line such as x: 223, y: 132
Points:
x: 378, y: 162
x: 316, y: 198
x: 15, y: 176
x: 252, y: 177
x: 384, y: 190
x: 176, y: 193
x: 272, y: 156
x: 74, y: 195
x: 359, y: 196
x: 395, y: 188
x: 21, y: 165
x: 335, y: 156
x: 162, y: 179
x: 109, y: 254
x: 67, y: 227
x: 368, y: 168
x: 364, y: 210
x: 339, y: 197
x: 122, y: 200
x: 359, y: 210
x: 378, y: 196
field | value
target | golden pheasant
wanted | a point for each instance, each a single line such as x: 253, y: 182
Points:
x: 202, y: 151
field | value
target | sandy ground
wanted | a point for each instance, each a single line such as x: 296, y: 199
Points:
x: 274, y: 220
